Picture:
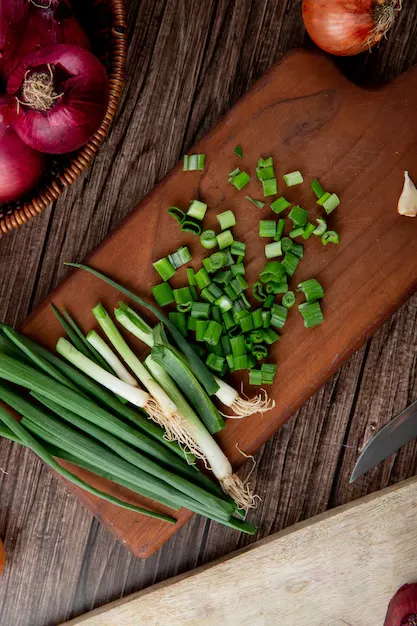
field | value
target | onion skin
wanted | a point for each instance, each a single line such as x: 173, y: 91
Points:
x: 346, y: 27
x: 12, y: 21
x: 402, y: 610
x: 76, y: 115
x: 20, y: 166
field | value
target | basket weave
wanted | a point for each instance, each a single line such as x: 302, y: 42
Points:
x: 116, y: 71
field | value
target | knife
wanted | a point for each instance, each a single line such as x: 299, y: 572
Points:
x: 388, y: 440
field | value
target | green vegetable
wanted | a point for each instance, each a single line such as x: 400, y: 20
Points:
x: 317, y: 188
x: 224, y: 239
x: 273, y: 249
x: 197, y: 209
x: 311, y: 289
x: 290, y: 262
x: 176, y: 213
x: 238, y: 248
x: 288, y: 299
x: 312, y: 313
x: 293, y: 178
x: 321, y: 228
x: 331, y: 203
x: 180, y: 257
x: 258, y: 203
x: 280, y: 204
x: 164, y: 268
x: 267, y: 228
x: 330, y: 236
x: 238, y: 152
x: 309, y: 229
x: 226, y: 220
x: 278, y: 315
x: 191, y: 225
x: 298, y: 216
x: 193, y: 162
x: 163, y: 294
x: 238, y: 179
x: 270, y: 187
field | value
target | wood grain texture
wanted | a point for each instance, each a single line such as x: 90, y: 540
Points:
x: 340, y: 567
x: 61, y: 561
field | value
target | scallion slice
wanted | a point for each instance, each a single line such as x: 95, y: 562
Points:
x: 200, y: 310
x: 224, y: 239
x: 193, y: 162
x: 280, y: 229
x: 268, y: 372
x: 213, y: 333
x: 309, y: 229
x: 296, y: 232
x: 286, y: 244
x: 179, y: 319
x: 278, y: 315
x: 317, y: 188
x: 298, y: 216
x: 224, y: 303
x: 290, y: 262
x: 176, y: 213
x: 208, y: 239
x: 311, y: 289
x: 238, y: 152
x: 226, y: 219
x: 270, y: 187
x: 258, y: 203
x: 190, y: 225
x: 260, y: 351
x: 274, y: 270
x: 267, y: 228
x: 312, y: 313
x: 293, y: 178
x: 202, y: 278
x: 164, y: 268
x: 331, y: 203
x: 330, y: 236
x: 237, y: 269
x: 265, y: 169
x: 321, y: 228
x: 288, y: 299
x: 323, y: 198
x: 238, y: 179
x: 197, y: 209
x: 280, y: 204
x: 163, y: 294
x: 191, y: 277
x: 238, y: 248
x: 273, y: 249
x: 255, y: 377
x: 216, y: 363
x: 297, y: 250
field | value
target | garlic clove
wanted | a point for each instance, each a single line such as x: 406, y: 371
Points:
x: 407, y: 204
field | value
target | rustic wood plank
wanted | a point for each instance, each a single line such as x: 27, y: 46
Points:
x: 45, y: 529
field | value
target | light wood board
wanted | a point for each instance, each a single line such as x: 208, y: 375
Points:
x: 341, y: 567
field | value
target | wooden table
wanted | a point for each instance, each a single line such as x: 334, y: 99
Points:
x: 189, y: 62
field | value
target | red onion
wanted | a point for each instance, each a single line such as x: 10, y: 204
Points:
x: 347, y: 27
x: 12, y: 13
x: 46, y: 27
x: 60, y: 98
x: 402, y: 610
x: 20, y: 166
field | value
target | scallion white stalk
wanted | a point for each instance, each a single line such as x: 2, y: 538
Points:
x: 111, y: 358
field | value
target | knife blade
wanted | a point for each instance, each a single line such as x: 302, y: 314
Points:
x: 391, y: 437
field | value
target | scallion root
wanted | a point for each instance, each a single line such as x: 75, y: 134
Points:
x: 240, y: 493
x: 258, y: 404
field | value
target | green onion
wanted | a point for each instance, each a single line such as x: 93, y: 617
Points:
x: 176, y: 213
x: 317, y: 188
x: 273, y: 249
x: 208, y: 296
x: 224, y: 239
x: 255, y: 377
x: 293, y: 178
x: 226, y: 220
x: 290, y: 262
x: 180, y: 257
x: 238, y: 269
x: 257, y: 318
x: 288, y: 299
x: 267, y: 228
x: 200, y: 310
x: 268, y: 371
x: 309, y: 229
x: 323, y: 198
x: 183, y: 298
x: 258, y: 291
x: 202, y: 278
x: 197, y: 209
x: 190, y: 225
x: 321, y: 228
x: 193, y: 162
x: 238, y: 179
x: 266, y: 317
x: 274, y: 270
x: 269, y: 300
x: 213, y: 333
x: 270, y: 187
x: 298, y: 216
x: 311, y: 289
x: 72, y: 334
x: 258, y: 203
x: 280, y: 204
x: 297, y: 250
x: 286, y: 244
x: 163, y: 294
x: 238, y: 248
x: 296, y: 232
x: 164, y: 268
x: 200, y: 329
x: 331, y: 203
x: 270, y: 336
x: 179, y: 319
x: 237, y: 345
x: 265, y: 169
x: 215, y: 290
x: 241, y: 362
x: 224, y: 303
x: 280, y: 229
x: 330, y: 236
x: 208, y: 239
x: 226, y: 346
x: 246, y: 322
x: 273, y: 287
x: 260, y: 351
x: 110, y: 358
x: 191, y: 277
x: 238, y: 152
x: 223, y: 278
x: 312, y: 313
x: 216, y: 363
x: 278, y: 316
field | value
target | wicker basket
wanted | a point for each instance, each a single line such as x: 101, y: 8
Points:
x: 110, y: 45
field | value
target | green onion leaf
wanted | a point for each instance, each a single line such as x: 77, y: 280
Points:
x: 193, y: 162
x: 258, y: 203
x: 226, y: 220
x: 317, y: 188
x: 163, y: 294
x: 311, y: 289
x: 164, y: 268
x: 293, y: 178
x: 330, y: 236
x: 312, y: 313
x: 238, y: 152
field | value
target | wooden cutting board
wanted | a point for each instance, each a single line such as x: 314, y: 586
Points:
x: 309, y: 117
x: 341, y: 567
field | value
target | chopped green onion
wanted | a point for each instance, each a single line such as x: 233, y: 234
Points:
x: 288, y: 299
x: 163, y: 294
x: 246, y: 322
x: 226, y: 346
x: 200, y: 329
x: 230, y: 362
x: 286, y: 244
x: 230, y: 259
x: 224, y: 303
x: 193, y: 162
x: 293, y: 178
x: 176, y: 213
x: 238, y: 248
x: 265, y: 169
x: 191, y: 323
x: 270, y: 187
x: 321, y: 228
x: 238, y: 345
x: 273, y: 287
x: 180, y: 257
x: 278, y: 315
x: 312, y: 313
x: 331, y: 203
x: 266, y: 317
x: 238, y: 269
x: 269, y: 300
x: 200, y: 310
x: 257, y: 318
x: 164, y: 268
x: 255, y: 377
x: 216, y: 261
x: 224, y: 239
x: 226, y: 220
x: 268, y: 371
x: 228, y: 320
x: 191, y: 277
x: 280, y: 204
x: 202, y: 278
x: 317, y: 188
x: 197, y: 209
x: 230, y: 292
x: 216, y: 363
x: 213, y: 333
x: 194, y: 293
x: 190, y: 225
x: 270, y: 336
x: 267, y: 228
x: 298, y: 216
x: 238, y: 179
x: 309, y: 229
x: 330, y: 236
x: 280, y: 229
x: 208, y: 239
x: 258, y: 291
x: 241, y: 362
x: 216, y: 313
x: 290, y: 262
x: 179, y: 319
x: 274, y: 270
x: 215, y: 290
x: 296, y: 232
x: 297, y: 250
x: 260, y: 351
x: 183, y: 296
x: 258, y: 203
x: 323, y: 198
x: 238, y: 152
x: 240, y: 258
x: 311, y: 289
x: 273, y: 249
